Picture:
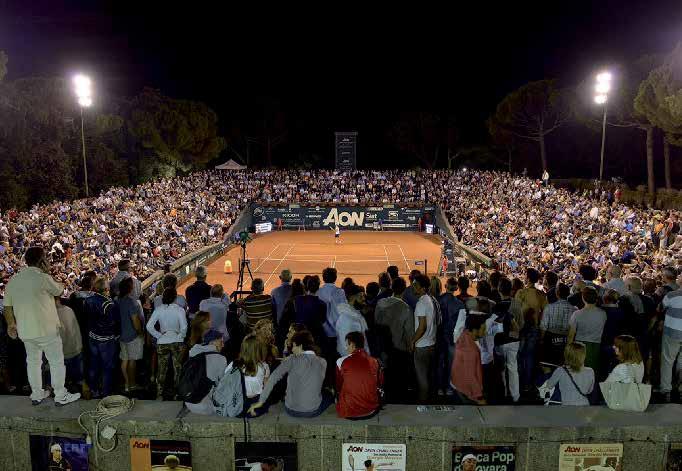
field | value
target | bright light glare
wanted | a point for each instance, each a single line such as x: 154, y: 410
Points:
x: 603, y: 88
x: 85, y: 101
x: 600, y: 99
x: 604, y: 77
x: 82, y: 84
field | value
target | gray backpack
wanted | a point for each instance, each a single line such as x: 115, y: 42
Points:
x: 229, y: 394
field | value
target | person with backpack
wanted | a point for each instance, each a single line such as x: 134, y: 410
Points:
x: 305, y: 373
x: 201, y: 373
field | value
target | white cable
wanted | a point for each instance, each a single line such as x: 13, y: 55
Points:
x: 107, y: 408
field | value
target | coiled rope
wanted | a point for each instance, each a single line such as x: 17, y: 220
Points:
x: 107, y: 408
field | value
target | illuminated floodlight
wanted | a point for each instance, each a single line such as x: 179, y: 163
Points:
x: 83, y: 88
x: 603, y: 88
x: 600, y: 99
x: 85, y: 101
x: 604, y: 77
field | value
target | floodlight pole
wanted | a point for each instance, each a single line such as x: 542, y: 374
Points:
x: 603, y: 142
x: 85, y: 162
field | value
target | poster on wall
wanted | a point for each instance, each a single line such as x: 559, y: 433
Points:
x: 674, y: 461
x: 373, y: 457
x: 160, y: 455
x: 591, y: 457
x: 265, y: 456
x: 58, y: 453
x: 481, y: 457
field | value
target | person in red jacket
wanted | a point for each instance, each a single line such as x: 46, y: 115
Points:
x: 466, y: 376
x: 358, y: 378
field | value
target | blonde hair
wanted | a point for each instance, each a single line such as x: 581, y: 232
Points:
x: 253, y: 352
x: 198, y: 328
x: 436, y: 287
x: 574, y: 356
x: 628, y: 349
x: 100, y: 285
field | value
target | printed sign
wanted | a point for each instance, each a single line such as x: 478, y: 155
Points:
x: 57, y: 453
x: 270, y: 456
x: 674, y: 461
x: 373, y: 457
x: 263, y: 227
x: 160, y: 455
x: 484, y: 458
x: 591, y: 457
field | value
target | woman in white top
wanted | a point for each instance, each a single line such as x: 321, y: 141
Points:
x: 256, y: 371
x: 631, y: 368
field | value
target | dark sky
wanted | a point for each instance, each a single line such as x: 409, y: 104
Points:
x: 334, y: 65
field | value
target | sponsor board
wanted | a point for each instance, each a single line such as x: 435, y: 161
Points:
x: 160, y: 455
x: 484, y: 458
x: 50, y: 452
x: 376, y: 456
x: 591, y: 457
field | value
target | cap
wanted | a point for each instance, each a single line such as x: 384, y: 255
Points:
x: 211, y: 335
x: 469, y: 457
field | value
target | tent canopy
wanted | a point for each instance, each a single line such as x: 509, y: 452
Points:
x: 230, y: 165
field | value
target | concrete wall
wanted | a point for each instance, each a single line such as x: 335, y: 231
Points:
x: 537, y: 433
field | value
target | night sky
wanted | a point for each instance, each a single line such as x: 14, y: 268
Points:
x: 334, y: 66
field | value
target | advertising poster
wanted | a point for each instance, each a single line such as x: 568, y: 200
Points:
x: 591, y: 457
x: 674, y: 461
x: 483, y: 458
x: 265, y: 456
x: 160, y: 455
x: 373, y: 457
x: 58, y: 453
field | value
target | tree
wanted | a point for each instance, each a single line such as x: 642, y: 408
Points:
x: 533, y: 112
x: 501, y: 137
x: 172, y: 134
x: 3, y: 65
x: 424, y: 135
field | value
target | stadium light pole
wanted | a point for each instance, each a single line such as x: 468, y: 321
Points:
x: 601, y: 98
x: 82, y: 87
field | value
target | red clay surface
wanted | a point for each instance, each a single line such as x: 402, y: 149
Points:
x: 362, y: 255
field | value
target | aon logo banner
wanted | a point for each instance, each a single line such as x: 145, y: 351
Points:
x: 344, y: 218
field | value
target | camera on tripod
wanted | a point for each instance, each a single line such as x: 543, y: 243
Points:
x: 244, y: 238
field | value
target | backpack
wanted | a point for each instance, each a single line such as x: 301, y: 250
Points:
x: 194, y: 385
x: 230, y: 394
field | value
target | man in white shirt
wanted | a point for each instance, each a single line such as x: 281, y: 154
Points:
x: 424, y: 340
x: 31, y: 314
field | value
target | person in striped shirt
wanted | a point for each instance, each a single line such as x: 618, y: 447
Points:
x: 672, y: 338
x: 257, y: 305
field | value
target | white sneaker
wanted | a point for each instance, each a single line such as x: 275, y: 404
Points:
x: 68, y: 398
x: 41, y: 397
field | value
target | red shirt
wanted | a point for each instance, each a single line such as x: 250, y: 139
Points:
x: 467, y: 373
x: 357, y: 379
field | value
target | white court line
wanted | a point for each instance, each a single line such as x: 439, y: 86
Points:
x: 267, y: 257
x: 388, y: 262
x: 280, y: 262
x: 322, y: 259
x: 334, y: 262
x: 404, y: 258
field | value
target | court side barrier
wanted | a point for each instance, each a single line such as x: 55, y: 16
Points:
x: 185, y: 265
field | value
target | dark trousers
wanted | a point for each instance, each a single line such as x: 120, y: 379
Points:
x: 103, y: 356
x: 398, y: 375
x: 330, y: 354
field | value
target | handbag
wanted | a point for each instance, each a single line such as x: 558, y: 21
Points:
x: 626, y: 396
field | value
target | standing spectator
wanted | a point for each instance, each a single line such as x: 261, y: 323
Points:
x: 393, y: 272
x: 395, y: 325
x: 197, y: 291
x: 463, y: 283
x: 409, y: 296
x: 508, y: 344
x: 170, y: 339
x: 211, y: 346
x: 551, y: 281
x: 72, y: 344
x: 669, y: 284
x: 217, y: 308
x: 169, y: 281
x: 554, y: 325
x: 384, y: 286
x: 358, y: 379
x: 616, y: 325
x: 124, y: 271
x: 351, y: 319
x: 257, y: 305
x: 466, y: 375
x: 587, y: 326
x: 575, y: 380
x: 615, y: 282
x: 105, y: 328
x: 332, y: 296
x: 132, y: 335
x: 672, y: 338
x: 450, y: 307
x: 31, y: 315
x: 281, y: 294
x: 588, y: 274
x: 530, y: 296
x: 424, y: 340
x: 76, y: 301
x: 307, y: 309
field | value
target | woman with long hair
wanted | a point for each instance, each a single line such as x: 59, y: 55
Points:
x: 575, y: 380
x: 251, y: 362
x: 200, y: 325
x: 631, y: 368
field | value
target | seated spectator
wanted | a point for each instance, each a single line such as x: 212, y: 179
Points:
x: 217, y: 308
x: 630, y: 368
x: 293, y: 330
x: 257, y: 305
x: 350, y: 318
x: 575, y: 380
x: 197, y: 291
x: 132, y: 339
x: 305, y: 373
x: 72, y: 344
x: 200, y: 325
x: 212, y: 344
x: 587, y: 326
x: 252, y: 363
x: 358, y: 379
x: 170, y: 281
x: 264, y: 331
x: 466, y: 376
x: 170, y: 340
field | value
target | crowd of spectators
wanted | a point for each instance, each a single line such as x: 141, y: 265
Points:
x: 586, y: 290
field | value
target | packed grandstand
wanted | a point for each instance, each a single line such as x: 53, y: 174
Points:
x: 575, y: 274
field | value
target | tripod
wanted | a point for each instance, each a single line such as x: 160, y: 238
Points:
x: 244, y: 265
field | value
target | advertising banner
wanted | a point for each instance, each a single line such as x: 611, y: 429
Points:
x: 274, y: 456
x: 591, y: 457
x: 484, y: 458
x: 56, y: 453
x: 160, y: 455
x: 373, y: 457
x: 388, y: 218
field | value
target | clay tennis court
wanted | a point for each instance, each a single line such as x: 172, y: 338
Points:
x: 362, y: 255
